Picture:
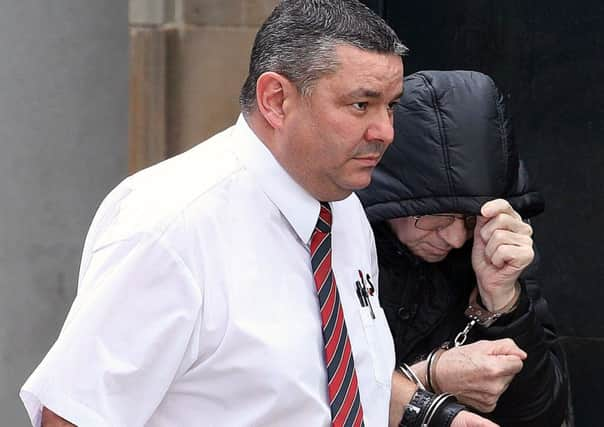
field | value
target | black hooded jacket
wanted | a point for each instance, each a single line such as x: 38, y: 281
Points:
x: 453, y: 151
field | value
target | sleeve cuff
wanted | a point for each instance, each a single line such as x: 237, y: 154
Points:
x: 61, y: 404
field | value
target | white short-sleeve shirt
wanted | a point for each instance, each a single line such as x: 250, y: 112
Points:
x: 196, y: 303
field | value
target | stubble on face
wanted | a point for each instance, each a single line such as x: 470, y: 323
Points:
x: 339, y: 132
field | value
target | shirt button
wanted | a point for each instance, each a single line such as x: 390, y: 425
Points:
x: 403, y: 313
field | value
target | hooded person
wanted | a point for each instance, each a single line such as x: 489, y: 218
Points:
x: 449, y: 205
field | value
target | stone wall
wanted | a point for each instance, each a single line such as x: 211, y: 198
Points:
x: 189, y: 59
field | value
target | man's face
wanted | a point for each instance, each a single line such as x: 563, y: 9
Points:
x: 334, y: 137
x: 431, y: 246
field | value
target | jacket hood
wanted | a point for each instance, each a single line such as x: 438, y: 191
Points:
x: 453, y: 151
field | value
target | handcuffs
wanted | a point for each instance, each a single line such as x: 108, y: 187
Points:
x: 480, y: 315
x: 426, y: 407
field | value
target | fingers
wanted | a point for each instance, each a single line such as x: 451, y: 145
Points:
x: 479, y: 373
x: 505, y: 347
x: 500, y: 367
x: 485, y: 399
x: 505, y: 236
x: 508, y: 366
x: 480, y: 402
x: 498, y: 206
x: 481, y: 366
x: 514, y: 251
x: 504, y: 221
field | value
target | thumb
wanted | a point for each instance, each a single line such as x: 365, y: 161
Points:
x: 478, y: 246
x: 506, y: 347
x: 480, y: 222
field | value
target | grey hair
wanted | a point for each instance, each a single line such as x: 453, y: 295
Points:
x: 299, y: 38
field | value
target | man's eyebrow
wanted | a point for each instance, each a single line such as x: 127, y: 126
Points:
x: 365, y: 93
x: 370, y: 93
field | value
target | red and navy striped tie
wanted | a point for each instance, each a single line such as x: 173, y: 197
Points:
x: 342, y: 385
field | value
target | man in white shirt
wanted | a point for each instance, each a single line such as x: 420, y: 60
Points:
x: 199, y: 301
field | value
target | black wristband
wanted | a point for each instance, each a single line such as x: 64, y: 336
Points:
x: 445, y: 414
x: 429, y: 409
x: 416, y: 409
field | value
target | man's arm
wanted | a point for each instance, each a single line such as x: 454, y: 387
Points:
x: 502, y: 249
x: 94, y: 337
x: 50, y: 419
x: 402, y: 393
x: 537, y: 396
x: 503, y: 255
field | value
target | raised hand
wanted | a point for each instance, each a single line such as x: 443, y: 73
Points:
x: 478, y: 373
x: 502, y: 249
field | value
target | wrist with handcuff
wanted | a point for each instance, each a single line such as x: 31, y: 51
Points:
x: 427, y: 409
x: 484, y: 317
x: 430, y: 410
x: 479, y: 315
x: 433, y: 409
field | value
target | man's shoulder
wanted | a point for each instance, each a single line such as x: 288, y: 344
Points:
x: 189, y: 175
x: 152, y: 199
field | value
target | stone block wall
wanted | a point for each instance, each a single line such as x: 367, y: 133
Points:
x: 189, y: 59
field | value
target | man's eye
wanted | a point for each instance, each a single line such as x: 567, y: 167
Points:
x: 362, y: 106
x: 392, y: 105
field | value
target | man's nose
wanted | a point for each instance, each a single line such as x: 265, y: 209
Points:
x: 381, y: 128
x: 455, y: 234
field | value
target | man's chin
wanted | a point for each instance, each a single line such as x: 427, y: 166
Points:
x: 344, y: 188
x: 360, y: 182
x: 433, y: 257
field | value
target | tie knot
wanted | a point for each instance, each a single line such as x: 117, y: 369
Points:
x: 324, y: 221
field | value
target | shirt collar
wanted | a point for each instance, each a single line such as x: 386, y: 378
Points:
x: 295, y: 203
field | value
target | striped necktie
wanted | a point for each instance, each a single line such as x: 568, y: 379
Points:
x: 342, y: 385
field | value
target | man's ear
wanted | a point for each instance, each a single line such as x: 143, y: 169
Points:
x: 272, y: 92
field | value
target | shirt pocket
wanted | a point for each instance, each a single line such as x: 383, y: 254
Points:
x: 380, y: 342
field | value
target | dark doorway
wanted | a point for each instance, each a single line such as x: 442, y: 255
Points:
x: 548, y: 59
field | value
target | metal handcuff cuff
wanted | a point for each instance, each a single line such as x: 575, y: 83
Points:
x: 426, y: 408
x: 482, y: 316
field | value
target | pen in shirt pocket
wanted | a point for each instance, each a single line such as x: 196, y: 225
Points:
x: 371, y: 287
x: 363, y: 295
x: 360, y: 294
